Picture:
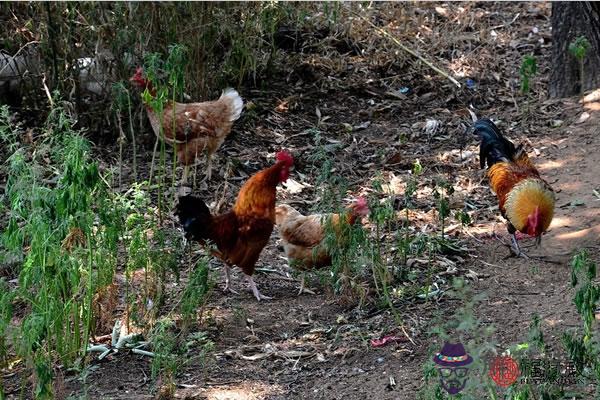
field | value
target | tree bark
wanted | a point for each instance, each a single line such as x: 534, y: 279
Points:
x: 570, y: 20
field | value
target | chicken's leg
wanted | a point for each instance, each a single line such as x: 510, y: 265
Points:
x: 228, y: 280
x: 515, y: 247
x: 208, y: 166
x: 302, y: 288
x: 184, y: 177
x: 255, y: 291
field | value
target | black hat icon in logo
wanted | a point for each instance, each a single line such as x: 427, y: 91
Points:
x: 452, y: 362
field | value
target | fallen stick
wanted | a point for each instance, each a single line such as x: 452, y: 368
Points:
x: 407, y: 50
x: 142, y: 352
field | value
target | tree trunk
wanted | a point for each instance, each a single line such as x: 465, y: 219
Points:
x: 570, y: 20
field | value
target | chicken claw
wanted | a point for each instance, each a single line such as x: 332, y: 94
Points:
x: 228, y: 281
x: 208, y: 167
x: 303, y: 289
x: 255, y: 291
x: 184, y: 175
x: 516, y: 249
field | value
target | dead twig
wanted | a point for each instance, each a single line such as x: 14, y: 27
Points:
x: 505, y: 24
x: 407, y: 335
x: 47, y: 91
x: 489, y: 264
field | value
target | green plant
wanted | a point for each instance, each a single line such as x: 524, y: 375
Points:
x: 536, y: 336
x: 121, y: 102
x: 196, y: 292
x: 235, y: 45
x: 383, y: 215
x: 477, y: 337
x: 587, y: 296
x: 199, y: 341
x: 166, y: 361
x: 152, y: 252
x: 331, y: 187
x: 463, y: 217
x: 168, y: 80
x: 157, y: 101
x: 9, y: 130
x: 584, y: 350
x: 343, y: 241
x: 175, y: 66
x: 527, y: 72
x: 346, y: 245
x: 404, y: 238
x: 64, y: 233
x: 579, y: 48
x: 6, y: 312
x: 442, y: 190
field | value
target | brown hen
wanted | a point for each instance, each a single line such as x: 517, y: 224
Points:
x: 193, y: 128
x: 303, y: 235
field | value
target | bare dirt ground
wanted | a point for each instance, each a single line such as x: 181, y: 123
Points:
x: 315, y: 346
x: 334, y: 359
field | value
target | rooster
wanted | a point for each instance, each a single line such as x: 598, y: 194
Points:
x: 199, y: 127
x: 240, y: 234
x: 303, y: 236
x: 526, y: 200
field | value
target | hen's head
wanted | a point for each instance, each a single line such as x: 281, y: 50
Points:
x: 138, y: 78
x: 287, y: 160
x: 360, y: 207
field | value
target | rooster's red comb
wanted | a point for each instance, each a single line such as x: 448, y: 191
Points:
x: 285, y: 157
x: 361, y: 206
x: 139, y: 72
x: 361, y: 202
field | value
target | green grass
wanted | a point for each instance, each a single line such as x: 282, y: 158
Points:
x: 579, y: 49
x: 67, y: 235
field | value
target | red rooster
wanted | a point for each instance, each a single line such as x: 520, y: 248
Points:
x: 242, y: 233
x: 199, y: 127
x: 525, y: 199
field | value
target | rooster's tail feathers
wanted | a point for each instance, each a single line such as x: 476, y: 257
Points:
x: 494, y: 147
x: 235, y: 102
x: 194, y: 216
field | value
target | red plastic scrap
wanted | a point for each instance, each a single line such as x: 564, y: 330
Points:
x: 387, y: 339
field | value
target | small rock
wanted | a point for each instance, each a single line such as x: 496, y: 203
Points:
x: 583, y: 117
